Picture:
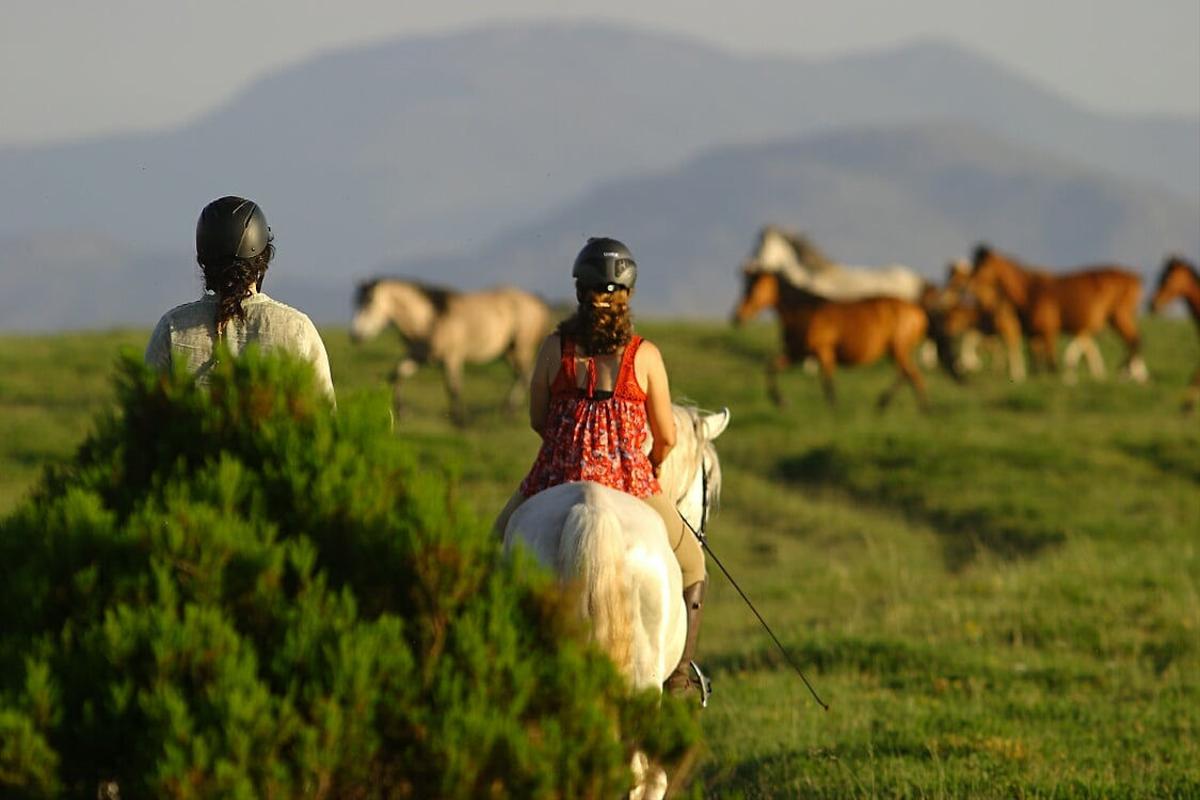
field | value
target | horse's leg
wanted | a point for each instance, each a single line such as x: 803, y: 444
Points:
x: 521, y: 357
x: 1125, y: 325
x: 1015, y: 356
x: 404, y: 370
x: 1095, y: 361
x: 908, y: 372
x: 968, y: 352
x: 827, y: 361
x: 929, y: 354
x: 1037, y: 359
x: 776, y: 365
x: 649, y: 780
x: 1071, y: 355
x: 1192, y: 396
x: 885, y: 398
x: 1049, y: 348
x: 452, y: 376
x: 520, y: 380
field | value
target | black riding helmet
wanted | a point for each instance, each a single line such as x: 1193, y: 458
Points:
x: 604, y: 264
x: 229, y: 228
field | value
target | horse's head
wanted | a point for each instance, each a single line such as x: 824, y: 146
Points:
x: 412, y: 307
x: 760, y: 291
x: 370, y: 311
x: 1176, y: 278
x: 986, y: 266
x: 781, y: 250
x: 958, y: 274
x: 691, y: 473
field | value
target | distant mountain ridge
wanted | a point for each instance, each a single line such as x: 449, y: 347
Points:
x: 434, y: 146
x: 916, y: 195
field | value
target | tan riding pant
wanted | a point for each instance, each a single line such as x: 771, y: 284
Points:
x: 683, y: 543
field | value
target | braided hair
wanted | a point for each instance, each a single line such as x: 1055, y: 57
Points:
x: 232, y: 281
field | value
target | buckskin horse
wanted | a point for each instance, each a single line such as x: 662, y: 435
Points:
x: 1181, y: 279
x: 453, y: 328
x: 849, y: 333
x: 1079, y: 303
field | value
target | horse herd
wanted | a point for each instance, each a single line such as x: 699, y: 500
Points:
x: 830, y: 314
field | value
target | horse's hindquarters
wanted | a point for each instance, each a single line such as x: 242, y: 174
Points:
x: 613, y: 547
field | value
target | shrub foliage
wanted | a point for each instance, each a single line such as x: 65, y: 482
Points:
x: 237, y: 593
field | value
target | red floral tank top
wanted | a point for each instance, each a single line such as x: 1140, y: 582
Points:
x: 594, y: 438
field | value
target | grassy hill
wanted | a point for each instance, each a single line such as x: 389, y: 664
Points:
x: 998, y: 599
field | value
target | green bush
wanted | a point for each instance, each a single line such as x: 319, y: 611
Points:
x: 237, y: 593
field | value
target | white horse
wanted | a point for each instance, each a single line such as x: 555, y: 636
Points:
x: 614, y: 547
x: 805, y: 266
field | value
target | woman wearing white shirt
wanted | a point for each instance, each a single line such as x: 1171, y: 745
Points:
x: 234, y: 247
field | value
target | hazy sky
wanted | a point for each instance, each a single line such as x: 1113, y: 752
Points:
x: 73, y: 68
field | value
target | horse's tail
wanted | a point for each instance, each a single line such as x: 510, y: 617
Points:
x: 593, y: 549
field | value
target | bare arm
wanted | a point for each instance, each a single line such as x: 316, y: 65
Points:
x: 544, y: 371
x: 658, y: 402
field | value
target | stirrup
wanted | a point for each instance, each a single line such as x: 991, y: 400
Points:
x: 702, y: 682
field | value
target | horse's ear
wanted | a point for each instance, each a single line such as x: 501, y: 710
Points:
x: 982, y: 251
x: 714, y: 425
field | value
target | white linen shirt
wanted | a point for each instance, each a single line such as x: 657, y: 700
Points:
x: 189, y: 332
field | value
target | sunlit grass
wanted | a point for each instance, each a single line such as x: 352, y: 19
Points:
x: 998, y: 598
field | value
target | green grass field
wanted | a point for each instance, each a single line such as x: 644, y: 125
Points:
x: 998, y: 598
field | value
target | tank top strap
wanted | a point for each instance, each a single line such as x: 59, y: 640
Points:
x: 567, y: 347
x: 564, y: 381
x: 627, y: 375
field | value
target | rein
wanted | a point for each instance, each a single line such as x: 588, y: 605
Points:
x: 702, y: 535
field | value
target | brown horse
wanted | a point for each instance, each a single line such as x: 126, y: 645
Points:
x: 852, y: 332
x: 1181, y: 279
x: 981, y: 318
x: 1079, y: 303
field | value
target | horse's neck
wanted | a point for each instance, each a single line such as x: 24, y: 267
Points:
x: 796, y: 297
x: 679, y: 466
x: 1017, y: 282
x: 413, y: 314
x: 1191, y: 295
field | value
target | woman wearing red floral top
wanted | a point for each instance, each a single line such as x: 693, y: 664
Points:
x: 597, y: 390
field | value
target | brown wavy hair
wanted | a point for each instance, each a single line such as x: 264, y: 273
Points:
x: 602, y: 323
x: 231, y: 280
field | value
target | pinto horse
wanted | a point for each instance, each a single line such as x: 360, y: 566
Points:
x: 615, y: 548
x: 1079, y: 303
x: 852, y: 332
x: 1181, y: 279
x: 452, y: 328
x: 801, y: 262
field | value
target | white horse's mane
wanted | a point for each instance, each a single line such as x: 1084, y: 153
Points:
x: 689, y: 455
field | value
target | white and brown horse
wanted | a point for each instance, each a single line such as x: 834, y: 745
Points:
x: 1079, y: 303
x: 1181, y: 279
x: 451, y: 328
x: 615, y: 549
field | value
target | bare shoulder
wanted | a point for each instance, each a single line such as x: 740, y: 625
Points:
x: 648, y: 353
x: 551, y: 348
